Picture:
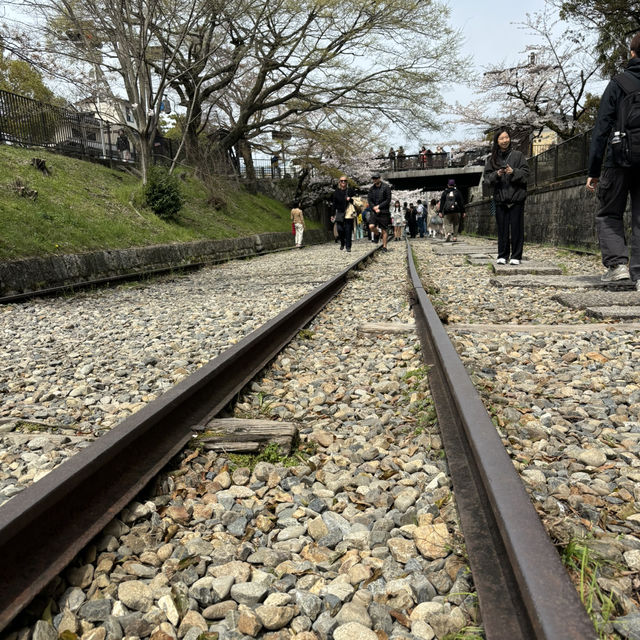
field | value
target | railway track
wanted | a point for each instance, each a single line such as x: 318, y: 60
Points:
x: 523, y: 590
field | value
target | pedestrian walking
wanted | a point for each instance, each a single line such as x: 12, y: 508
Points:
x: 412, y: 222
x: 123, y: 146
x: 379, y: 198
x: 421, y: 218
x: 506, y: 172
x: 397, y: 219
x: 616, y: 138
x: 297, y: 218
x: 434, y: 221
x: 392, y: 159
x: 342, y: 198
x: 451, y: 210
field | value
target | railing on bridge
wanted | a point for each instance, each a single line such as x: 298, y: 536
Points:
x: 564, y: 160
x: 442, y: 160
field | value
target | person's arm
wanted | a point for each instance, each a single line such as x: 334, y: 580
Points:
x: 489, y: 174
x: 520, y: 169
x: 605, y: 121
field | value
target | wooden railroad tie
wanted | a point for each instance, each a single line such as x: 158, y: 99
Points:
x: 386, y: 327
x: 239, y: 435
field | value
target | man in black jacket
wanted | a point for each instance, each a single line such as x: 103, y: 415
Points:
x: 379, y: 199
x: 615, y: 184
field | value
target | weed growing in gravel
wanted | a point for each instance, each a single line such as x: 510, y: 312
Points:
x: 306, y: 334
x: 26, y: 425
x: 585, y: 567
x: 467, y: 633
x: 274, y: 455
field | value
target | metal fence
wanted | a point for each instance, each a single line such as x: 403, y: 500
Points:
x: 434, y: 160
x: 265, y: 169
x: 564, y: 160
x: 29, y: 123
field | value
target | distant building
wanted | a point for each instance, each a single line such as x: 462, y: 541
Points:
x: 543, y: 141
x: 97, y: 126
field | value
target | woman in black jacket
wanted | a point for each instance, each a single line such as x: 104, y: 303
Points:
x: 342, y: 198
x: 506, y: 172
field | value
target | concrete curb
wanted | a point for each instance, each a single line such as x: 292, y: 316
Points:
x: 37, y: 274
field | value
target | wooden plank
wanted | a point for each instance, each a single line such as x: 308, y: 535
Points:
x: 245, y: 435
x: 386, y: 327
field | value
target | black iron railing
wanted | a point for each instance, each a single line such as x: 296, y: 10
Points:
x: 565, y: 160
x: 30, y: 123
x: 442, y: 160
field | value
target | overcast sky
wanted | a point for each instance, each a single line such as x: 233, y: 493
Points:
x: 491, y: 36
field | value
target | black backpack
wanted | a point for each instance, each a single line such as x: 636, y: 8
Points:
x: 450, y: 202
x: 625, y: 143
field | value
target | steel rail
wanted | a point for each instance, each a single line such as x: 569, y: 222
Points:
x: 44, y: 527
x: 524, y: 591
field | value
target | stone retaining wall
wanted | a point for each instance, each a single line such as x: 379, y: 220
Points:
x: 36, y: 274
x: 559, y: 213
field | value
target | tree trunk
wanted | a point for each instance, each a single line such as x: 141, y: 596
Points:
x: 244, y: 150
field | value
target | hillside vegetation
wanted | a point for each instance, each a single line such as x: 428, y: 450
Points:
x: 83, y: 206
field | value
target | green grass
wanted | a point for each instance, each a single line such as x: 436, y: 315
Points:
x: 586, y: 566
x: 84, y: 206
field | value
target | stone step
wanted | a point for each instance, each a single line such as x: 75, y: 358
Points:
x: 614, y: 311
x: 479, y: 260
x: 526, y: 268
x: 562, y: 282
x: 598, y: 298
x: 457, y: 248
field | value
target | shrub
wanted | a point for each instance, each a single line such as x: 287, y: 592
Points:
x: 162, y: 193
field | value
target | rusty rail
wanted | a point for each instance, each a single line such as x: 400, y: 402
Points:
x: 524, y: 591
x: 44, y: 527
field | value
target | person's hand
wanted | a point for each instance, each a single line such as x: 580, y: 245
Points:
x: 592, y: 183
x: 333, y: 218
x: 376, y: 209
x: 508, y: 170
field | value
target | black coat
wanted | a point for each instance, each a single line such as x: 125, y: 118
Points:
x: 380, y: 196
x: 508, y: 188
x: 459, y: 200
x: 607, y: 118
x: 340, y: 200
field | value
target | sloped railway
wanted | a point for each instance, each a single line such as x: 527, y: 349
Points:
x: 523, y: 590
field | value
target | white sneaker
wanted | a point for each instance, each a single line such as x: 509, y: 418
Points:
x: 514, y: 261
x: 501, y: 261
x: 637, y: 285
x: 619, y: 272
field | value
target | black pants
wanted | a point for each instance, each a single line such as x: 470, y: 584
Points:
x: 510, y: 223
x: 614, y: 187
x: 345, y: 232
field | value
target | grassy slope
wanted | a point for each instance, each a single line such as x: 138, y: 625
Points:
x: 85, y: 206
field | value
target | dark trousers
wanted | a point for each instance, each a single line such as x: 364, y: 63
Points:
x: 614, y: 187
x: 510, y: 223
x: 345, y: 232
x: 422, y: 227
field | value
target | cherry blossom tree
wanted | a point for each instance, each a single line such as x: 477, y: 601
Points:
x: 548, y: 88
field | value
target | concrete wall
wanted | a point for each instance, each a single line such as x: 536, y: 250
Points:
x: 559, y: 213
x: 36, y: 274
